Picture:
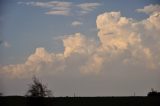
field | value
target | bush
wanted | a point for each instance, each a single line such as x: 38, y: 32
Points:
x: 37, y: 89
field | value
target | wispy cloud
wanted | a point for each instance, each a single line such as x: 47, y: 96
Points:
x: 76, y: 23
x: 88, y: 6
x: 62, y: 8
x: 58, y: 12
x: 55, y: 7
x: 51, y: 4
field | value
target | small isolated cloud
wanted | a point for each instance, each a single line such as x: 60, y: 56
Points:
x: 150, y: 9
x: 5, y: 44
x: 76, y: 23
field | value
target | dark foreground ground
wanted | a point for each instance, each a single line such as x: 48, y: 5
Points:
x: 79, y: 101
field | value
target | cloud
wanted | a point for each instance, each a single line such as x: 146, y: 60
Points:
x: 58, y: 12
x: 52, y: 4
x: 150, y: 9
x: 35, y: 63
x: 93, y: 65
x: 76, y: 23
x: 88, y: 6
x: 122, y: 42
x: 42, y: 62
x: 120, y: 35
x: 114, y: 32
x: 125, y: 39
x: 5, y: 44
x: 63, y: 7
x: 55, y: 7
x: 77, y: 43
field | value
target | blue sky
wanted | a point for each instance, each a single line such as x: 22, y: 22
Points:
x: 28, y: 25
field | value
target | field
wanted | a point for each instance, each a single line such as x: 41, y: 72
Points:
x: 79, y: 101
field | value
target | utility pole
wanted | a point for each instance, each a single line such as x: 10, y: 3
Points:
x: 74, y: 92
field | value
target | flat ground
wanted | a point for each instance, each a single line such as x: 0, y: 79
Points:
x: 79, y: 101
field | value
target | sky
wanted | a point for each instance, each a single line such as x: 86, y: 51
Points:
x: 81, y: 47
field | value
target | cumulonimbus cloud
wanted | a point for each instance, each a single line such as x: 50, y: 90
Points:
x: 121, y: 39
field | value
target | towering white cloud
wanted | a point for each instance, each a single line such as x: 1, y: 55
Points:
x: 116, y: 32
x: 77, y: 43
x: 122, y: 41
x: 120, y: 34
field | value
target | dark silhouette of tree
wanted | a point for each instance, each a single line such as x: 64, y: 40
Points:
x: 153, y: 93
x: 37, y: 89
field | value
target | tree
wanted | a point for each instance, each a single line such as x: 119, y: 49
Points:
x: 37, y: 89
